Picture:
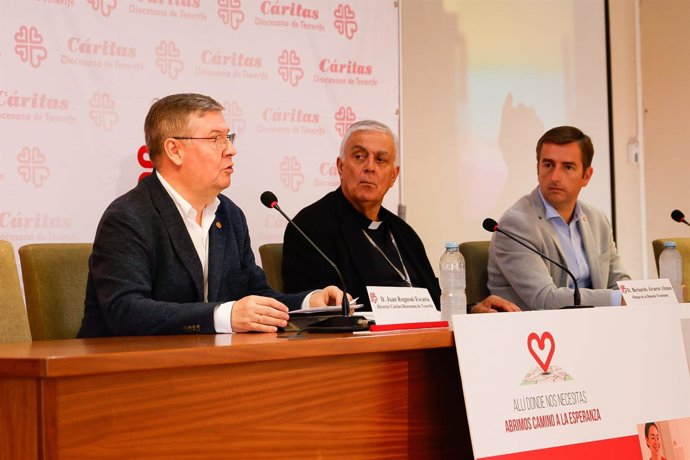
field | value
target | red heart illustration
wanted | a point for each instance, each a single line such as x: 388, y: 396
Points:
x: 541, y: 343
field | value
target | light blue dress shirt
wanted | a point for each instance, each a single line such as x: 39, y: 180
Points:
x: 573, y: 249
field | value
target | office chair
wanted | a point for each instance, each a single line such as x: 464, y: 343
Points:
x: 476, y: 254
x: 55, y: 287
x: 272, y: 263
x: 14, y: 322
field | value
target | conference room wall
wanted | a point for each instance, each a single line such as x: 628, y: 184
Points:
x: 632, y: 241
x: 666, y: 96
x: 421, y: 127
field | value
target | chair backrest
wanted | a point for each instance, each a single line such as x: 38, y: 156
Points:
x: 14, y: 322
x: 55, y: 287
x: 476, y: 254
x: 683, y: 246
x: 272, y: 263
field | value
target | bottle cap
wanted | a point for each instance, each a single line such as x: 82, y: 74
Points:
x: 669, y: 244
x: 452, y: 245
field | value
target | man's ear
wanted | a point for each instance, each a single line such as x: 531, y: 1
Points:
x: 172, y: 149
x: 395, y: 175
x: 588, y: 174
x: 339, y: 165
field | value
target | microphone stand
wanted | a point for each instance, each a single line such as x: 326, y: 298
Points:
x: 577, y: 300
x: 344, y: 323
x: 679, y: 217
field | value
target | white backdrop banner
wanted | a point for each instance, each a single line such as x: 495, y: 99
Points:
x: 77, y: 78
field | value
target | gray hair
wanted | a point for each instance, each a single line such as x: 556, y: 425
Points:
x: 169, y: 116
x: 370, y: 125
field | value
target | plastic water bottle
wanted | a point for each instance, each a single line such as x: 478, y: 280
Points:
x: 453, y: 298
x: 671, y: 267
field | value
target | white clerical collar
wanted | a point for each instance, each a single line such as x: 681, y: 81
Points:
x: 374, y: 225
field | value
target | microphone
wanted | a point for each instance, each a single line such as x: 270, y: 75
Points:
x: 338, y: 323
x: 678, y: 216
x: 491, y: 225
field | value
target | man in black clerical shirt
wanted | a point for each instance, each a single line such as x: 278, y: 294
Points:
x: 369, y: 244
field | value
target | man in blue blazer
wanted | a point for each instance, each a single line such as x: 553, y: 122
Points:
x: 173, y: 255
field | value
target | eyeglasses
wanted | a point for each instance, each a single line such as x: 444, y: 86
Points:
x: 220, y: 142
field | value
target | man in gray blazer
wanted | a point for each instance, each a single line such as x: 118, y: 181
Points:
x: 173, y: 255
x: 553, y: 221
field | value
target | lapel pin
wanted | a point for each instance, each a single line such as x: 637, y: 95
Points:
x: 219, y: 225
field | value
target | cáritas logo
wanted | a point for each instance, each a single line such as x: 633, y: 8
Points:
x: 29, y: 46
x: 291, y: 173
x: 235, y: 116
x: 345, y: 22
x: 168, y: 59
x: 230, y: 12
x: 103, y: 112
x: 32, y: 167
x: 144, y: 161
x: 105, y: 7
x: 289, y: 67
x: 344, y: 117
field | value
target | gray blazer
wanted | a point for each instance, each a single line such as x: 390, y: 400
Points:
x: 145, y: 276
x: 533, y: 283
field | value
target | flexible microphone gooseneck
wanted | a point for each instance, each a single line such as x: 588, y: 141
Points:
x: 491, y: 225
x: 678, y: 216
x: 336, y: 323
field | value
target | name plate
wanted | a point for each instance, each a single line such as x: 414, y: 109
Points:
x: 400, y: 305
x: 647, y: 292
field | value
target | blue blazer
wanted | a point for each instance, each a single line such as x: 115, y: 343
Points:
x: 145, y: 276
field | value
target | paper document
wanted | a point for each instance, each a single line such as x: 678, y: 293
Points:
x: 320, y: 310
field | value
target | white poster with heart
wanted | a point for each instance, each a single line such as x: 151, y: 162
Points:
x: 571, y: 383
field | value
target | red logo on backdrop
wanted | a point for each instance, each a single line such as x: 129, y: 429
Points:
x: 289, y: 68
x: 230, y: 12
x: 32, y: 167
x: 144, y: 162
x: 236, y: 115
x: 541, y: 343
x: 168, y: 61
x: 291, y: 173
x: 29, y: 46
x: 345, y: 22
x: 103, y: 111
x: 103, y: 6
x: 344, y: 117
